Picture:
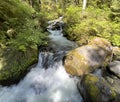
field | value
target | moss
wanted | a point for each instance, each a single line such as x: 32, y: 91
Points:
x: 97, y: 89
x: 90, y: 78
x: 17, y: 64
x: 92, y: 89
x: 113, y: 94
x: 75, y: 64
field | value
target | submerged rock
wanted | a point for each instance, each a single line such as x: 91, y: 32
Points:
x: 14, y: 64
x: 87, y: 58
x: 96, y: 89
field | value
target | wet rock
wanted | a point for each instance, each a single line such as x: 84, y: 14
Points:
x: 55, y: 24
x: 114, y: 67
x: 87, y: 58
x: 96, y: 89
x: 115, y: 84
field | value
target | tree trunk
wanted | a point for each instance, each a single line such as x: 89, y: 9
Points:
x: 84, y: 4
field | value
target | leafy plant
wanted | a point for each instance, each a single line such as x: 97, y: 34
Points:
x: 72, y: 15
x: 116, y: 40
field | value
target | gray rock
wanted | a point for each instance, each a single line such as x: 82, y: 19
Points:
x: 115, y: 84
x: 114, y: 67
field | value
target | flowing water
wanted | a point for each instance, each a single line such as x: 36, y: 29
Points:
x: 48, y: 81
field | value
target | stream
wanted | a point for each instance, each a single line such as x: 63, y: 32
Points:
x: 48, y: 81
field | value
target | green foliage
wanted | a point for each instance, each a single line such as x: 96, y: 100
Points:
x: 51, y: 10
x: 116, y: 40
x: 115, y: 11
x: 2, y: 36
x: 72, y: 15
x: 82, y: 26
x: 26, y: 25
x: 115, y: 6
x: 99, y: 3
x: 28, y: 36
x: 21, y: 32
x: 14, y: 9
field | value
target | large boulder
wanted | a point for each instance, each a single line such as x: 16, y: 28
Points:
x: 14, y: 64
x: 96, y: 89
x: 87, y: 58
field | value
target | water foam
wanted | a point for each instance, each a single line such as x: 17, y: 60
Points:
x: 40, y: 85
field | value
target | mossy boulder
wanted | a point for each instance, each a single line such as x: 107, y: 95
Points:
x: 14, y: 64
x: 96, y: 89
x: 87, y: 58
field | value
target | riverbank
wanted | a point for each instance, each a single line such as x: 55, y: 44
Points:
x: 20, y: 35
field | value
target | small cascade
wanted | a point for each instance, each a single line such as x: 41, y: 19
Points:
x: 48, y: 59
x: 58, y: 41
x: 48, y: 81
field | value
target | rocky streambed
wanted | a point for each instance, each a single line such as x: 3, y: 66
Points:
x: 98, y: 66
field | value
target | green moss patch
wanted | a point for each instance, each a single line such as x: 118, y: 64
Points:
x: 15, y: 64
x: 97, y: 89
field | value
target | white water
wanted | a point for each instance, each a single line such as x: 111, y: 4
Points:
x: 40, y: 85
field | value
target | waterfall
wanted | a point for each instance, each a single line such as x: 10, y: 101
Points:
x: 48, y: 81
